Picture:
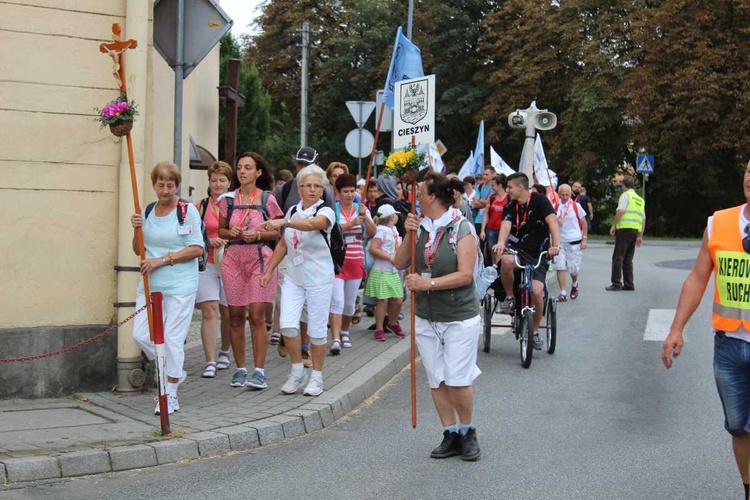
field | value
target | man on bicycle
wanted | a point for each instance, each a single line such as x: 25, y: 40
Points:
x: 528, y: 223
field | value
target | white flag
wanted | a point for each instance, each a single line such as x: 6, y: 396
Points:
x: 544, y: 175
x: 500, y: 166
x: 431, y: 157
x: 468, y: 167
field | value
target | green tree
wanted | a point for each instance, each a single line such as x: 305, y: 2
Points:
x: 253, y: 118
x: 689, y: 104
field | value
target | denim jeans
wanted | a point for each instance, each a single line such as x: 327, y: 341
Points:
x: 732, y: 375
x: 491, y: 237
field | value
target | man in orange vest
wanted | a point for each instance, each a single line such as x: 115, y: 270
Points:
x: 726, y: 253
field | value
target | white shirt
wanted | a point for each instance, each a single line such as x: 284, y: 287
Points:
x: 308, y: 254
x: 570, y: 230
x: 389, y: 242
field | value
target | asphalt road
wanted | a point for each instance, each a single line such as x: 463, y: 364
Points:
x: 601, y: 418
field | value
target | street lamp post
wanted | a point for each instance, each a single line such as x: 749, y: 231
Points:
x: 531, y: 119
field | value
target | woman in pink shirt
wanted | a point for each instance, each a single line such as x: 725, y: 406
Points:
x: 211, y: 298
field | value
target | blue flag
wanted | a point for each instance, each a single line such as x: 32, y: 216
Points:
x: 479, y: 152
x: 406, y: 63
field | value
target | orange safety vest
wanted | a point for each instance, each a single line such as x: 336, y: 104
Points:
x: 731, y: 272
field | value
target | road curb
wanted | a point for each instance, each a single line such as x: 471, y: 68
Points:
x: 319, y: 413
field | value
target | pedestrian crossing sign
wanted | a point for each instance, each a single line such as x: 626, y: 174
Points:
x: 645, y: 164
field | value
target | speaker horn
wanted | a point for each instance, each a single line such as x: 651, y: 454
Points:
x: 545, y: 120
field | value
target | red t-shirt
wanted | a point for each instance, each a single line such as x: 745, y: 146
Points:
x: 496, y: 207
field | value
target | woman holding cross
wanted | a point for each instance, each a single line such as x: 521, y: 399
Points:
x: 447, y: 312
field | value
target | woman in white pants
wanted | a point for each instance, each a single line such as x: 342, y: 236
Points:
x: 309, y: 277
x: 356, y: 224
x: 173, y: 241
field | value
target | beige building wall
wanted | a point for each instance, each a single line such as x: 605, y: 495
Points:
x: 59, y: 173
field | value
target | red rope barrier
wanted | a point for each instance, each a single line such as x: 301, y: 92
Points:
x: 76, y: 346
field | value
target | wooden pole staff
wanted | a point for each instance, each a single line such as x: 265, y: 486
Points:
x: 413, y: 349
x: 374, y: 150
x: 115, y: 50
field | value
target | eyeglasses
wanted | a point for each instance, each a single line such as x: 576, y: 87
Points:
x: 311, y: 186
x: 746, y: 239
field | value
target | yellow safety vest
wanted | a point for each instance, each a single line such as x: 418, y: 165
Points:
x: 633, y: 216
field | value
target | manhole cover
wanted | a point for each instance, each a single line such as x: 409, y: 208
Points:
x: 677, y: 264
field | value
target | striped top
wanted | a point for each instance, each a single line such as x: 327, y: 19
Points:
x: 354, y: 236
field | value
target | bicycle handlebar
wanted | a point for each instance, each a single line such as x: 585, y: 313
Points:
x: 515, y: 253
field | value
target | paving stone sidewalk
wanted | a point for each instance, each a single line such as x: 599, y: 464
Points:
x: 99, y: 432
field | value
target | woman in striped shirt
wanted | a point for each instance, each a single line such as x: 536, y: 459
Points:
x: 356, y: 223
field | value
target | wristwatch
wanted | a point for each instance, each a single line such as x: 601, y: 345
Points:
x: 432, y: 283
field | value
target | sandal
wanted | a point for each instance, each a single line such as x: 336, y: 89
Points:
x: 210, y: 370
x: 562, y: 298
x: 346, y: 342
x: 223, y: 360
x: 335, y: 348
x: 275, y: 338
x: 356, y: 318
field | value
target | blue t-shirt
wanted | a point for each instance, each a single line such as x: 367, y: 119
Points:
x: 483, y: 192
x: 160, y: 235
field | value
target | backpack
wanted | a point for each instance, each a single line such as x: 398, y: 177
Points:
x: 182, y: 205
x: 231, y: 207
x: 337, y: 245
x: 452, y: 228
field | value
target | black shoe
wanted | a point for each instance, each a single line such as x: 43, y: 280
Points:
x: 613, y: 288
x: 470, y: 446
x: 450, y: 447
x: 628, y: 288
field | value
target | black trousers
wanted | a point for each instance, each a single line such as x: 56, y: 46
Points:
x: 622, y: 257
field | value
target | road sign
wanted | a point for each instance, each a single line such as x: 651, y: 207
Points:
x: 644, y: 164
x: 360, y: 111
x: 387, y: 124
x: 414, y: 112
x: 205, y: 24
x: 359, y: 142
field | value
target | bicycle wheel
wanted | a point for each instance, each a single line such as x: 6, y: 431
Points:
x: 488, y: 302
x: 551, y: 326
x: 527, y: 338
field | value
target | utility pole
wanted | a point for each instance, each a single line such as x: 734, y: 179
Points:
x: 410, y: 19
x: 303, y: 93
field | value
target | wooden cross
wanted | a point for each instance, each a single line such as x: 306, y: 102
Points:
x: 114, y: 50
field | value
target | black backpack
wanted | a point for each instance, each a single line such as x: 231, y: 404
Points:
x: 182, y: 207
x: 231, y: 207
x: 337, y: 245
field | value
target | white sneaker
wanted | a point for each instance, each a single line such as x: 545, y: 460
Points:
x: 173, y: 405
x: 314, y: 387
x: 292, y: 384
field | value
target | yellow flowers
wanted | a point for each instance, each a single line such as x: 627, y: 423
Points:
x: 404, y: 164
x: 400, y: 158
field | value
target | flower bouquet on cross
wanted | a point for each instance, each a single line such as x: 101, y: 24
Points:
x: 118, y: 114
x: 404, y: 164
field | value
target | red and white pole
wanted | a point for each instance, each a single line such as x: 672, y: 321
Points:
x: 161, y: 360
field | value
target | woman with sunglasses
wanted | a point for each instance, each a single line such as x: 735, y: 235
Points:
x: 309, y: 277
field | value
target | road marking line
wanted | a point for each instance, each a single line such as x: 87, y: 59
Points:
x: 657, y: 326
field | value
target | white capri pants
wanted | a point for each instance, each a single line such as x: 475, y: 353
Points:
x: 281, y: 268
x: 210, y: 286
x: 177, y: 312
x: 449, y: 351
x: 318, y: 300
x: 344, y: 296
x: 569, y: 258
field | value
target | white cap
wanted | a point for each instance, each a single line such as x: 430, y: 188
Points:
x: 386, y: 210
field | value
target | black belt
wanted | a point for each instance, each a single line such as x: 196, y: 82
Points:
x: 575, y: 242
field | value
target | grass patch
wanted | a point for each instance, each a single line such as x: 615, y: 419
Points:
x: 174, y: 433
